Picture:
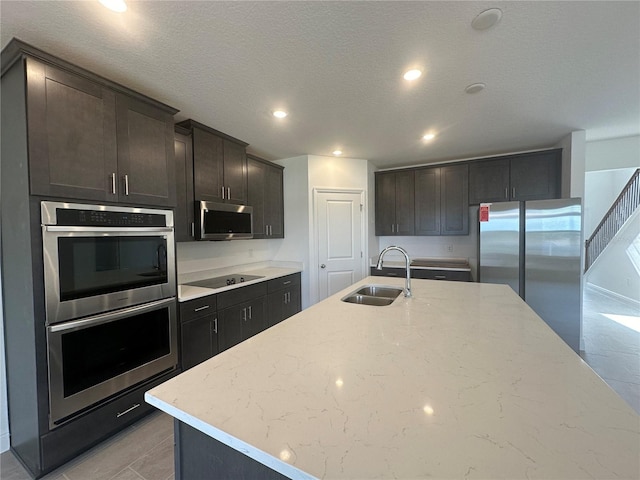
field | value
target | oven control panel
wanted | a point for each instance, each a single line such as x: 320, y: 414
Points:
x: 103, y: 218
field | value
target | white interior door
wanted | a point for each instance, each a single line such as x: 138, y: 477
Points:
x: 339, y: 240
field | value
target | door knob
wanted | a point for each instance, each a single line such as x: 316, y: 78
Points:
x: 323, y: 266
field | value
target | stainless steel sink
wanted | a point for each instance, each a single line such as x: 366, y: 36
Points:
x: 366, y: 300
x: 375, y: 295
x: 379, y: 291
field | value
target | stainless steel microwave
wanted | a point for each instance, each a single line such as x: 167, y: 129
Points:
x: 223, y: 221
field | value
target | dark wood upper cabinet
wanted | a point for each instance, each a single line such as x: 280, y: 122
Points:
x: 183, y: 221
x: 72, y: 135
x: 219, y: 165
x: 489, y: 181
x: 427, y: 201
x: 395, y: 203
x: 146, y: 163
x: 265, y: 195
x: 454, y: 197
x: 536, y: 176
x: 441, y: 200
x: 526, y: 176
x: 92, y: 140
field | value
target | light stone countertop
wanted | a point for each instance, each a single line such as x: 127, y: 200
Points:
x: 190, y: 292
x: 463, y: 380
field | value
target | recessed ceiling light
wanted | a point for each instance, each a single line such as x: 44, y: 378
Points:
x: 279, y: 113
x: 412, y: 74
x: 429, y: 136
x: 487, y: 19
x: 115, y: 5
x: 337, y: 152
x: 475, y: 88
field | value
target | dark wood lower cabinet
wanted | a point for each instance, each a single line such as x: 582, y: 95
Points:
x: 199, y: 340
x: 212, y: 324
x: 423, y: 273
x: 199, y: 456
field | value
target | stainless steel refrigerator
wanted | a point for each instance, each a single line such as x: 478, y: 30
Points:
x: 536, y: 248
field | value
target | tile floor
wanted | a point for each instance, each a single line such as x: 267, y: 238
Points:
x: 145, y: 450
x: 612, y: 350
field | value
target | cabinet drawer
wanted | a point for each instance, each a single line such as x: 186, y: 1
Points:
x: 241, y: 294
x: 452, y: 275
x: 197, y: 308
x: 283, y: 282
x: 388, y: 272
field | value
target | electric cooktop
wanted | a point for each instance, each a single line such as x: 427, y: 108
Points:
x: 219, y: 282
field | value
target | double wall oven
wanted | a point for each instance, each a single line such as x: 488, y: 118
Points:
x: 110, y: 294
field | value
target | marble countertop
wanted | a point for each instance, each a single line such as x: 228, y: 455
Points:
x: 190, y: 292
x: 463, y: 380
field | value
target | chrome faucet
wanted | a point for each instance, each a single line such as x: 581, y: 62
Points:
x: 407, y: 283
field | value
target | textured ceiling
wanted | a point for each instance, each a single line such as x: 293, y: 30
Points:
x: 550, y: 68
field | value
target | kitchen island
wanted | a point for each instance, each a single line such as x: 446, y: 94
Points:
x: 463, y: 380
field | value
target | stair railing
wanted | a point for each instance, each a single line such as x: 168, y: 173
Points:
x: 613, y: 220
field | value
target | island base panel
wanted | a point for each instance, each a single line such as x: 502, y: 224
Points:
x: 199, y: 456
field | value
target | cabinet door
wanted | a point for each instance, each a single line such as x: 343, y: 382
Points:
x: 427, y: 201
x: 489, y: 181
x: 385, y: 204
x: 293, y: 302
x: 235, y: 173
x: 196, y: 341
x: 454, y: 213
x: 254, y: 318
x: 275, y: 307
x: 274, y: 199
x: 536, y: 176
x: 146, y: 156
x: 405, y: 200
x: 230, y: 327
x: 257, y: 195
x: 207, y: 166
x: 72, y: 135
x: 183, y: 220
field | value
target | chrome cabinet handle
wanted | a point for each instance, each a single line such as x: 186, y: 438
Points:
x: 113, y: 183
x: 222, y: 192
x: 244, y: 314
x: 120, y: 414
x: 126, y: 184
x: 288, y: 282
x: 397, y: 228
x: 393, y: 228
x: 199, y: 309
x: 250, y: 315
x: 506, y: 192
x: 215, y: 325
x: 440, y: 277
x: 193, y: 229
x: 228, y: 193
x: 513, y: 192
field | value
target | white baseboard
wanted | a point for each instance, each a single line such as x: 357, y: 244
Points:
x: 615, y: 296
x: 4, y: 442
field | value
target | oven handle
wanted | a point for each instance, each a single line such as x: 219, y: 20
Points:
x: 109, y: 317
x: 58, y: 228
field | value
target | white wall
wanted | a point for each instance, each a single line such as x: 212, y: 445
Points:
x: 301, y: 176
x: 340, y: 174
x: 295, y: 245
x: 607, y: 163
x: 200, y: 256
x: 612, y: 154
x: 602, y: 188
